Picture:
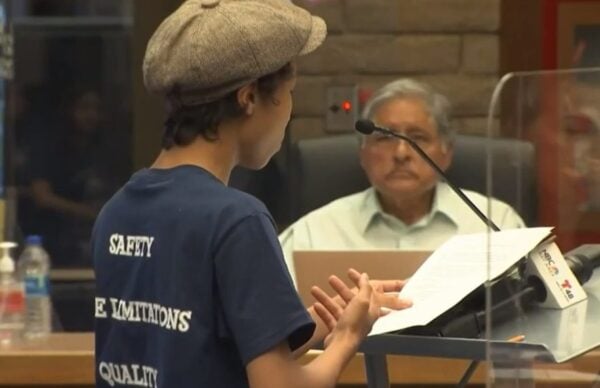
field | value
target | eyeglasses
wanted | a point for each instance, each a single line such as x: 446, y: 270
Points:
x: 420, y: 138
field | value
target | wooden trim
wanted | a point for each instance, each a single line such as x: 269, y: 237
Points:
x: 62, y: 359
x: 520, y: 36
x: 424, y: 371
x: 72, y: 274
x: 569, y: 16
x: 548, y: 34
x: 67, y: 359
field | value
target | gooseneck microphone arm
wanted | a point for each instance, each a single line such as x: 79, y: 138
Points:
x: 510, y: 296
x: 367, y: 127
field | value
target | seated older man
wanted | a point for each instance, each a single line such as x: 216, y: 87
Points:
x: 407, y: 206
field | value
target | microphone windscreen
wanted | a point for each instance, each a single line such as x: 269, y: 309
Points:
x: 587, y: 252
x: 364, y: 126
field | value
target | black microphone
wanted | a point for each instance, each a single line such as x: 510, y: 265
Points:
x: 511, y: 297
x: 523, y: 293
x: 511, y: 294
x: 366, y: 127
x: 583, y: 260
x: 517, y: 299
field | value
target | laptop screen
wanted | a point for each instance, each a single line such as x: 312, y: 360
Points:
x: 313, y: 268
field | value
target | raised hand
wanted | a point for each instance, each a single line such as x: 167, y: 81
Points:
x: 332, y: 310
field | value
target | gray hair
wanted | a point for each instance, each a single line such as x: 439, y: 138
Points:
x: 437, y: 105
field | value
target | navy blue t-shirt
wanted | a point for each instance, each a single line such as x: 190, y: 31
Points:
x: 191, y: 283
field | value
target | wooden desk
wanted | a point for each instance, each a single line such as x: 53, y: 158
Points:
x: 57, y: 361
x: 67, y: 360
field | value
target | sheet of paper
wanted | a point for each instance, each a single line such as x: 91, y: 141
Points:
x: 455, y: 269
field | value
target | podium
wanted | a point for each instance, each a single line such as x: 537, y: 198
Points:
x: 551, y: 336
x: 559, y: 113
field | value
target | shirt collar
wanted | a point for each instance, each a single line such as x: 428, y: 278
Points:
x: 448, y: 203
x: 445, y: 202
x: 369, y: 208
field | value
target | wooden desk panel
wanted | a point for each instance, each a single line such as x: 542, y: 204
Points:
x: 424, y: 371
x: 67, y: 360
x: 59, y: 360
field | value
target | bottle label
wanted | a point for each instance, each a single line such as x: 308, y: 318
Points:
x: 36, y: 286
x: 12, y: 301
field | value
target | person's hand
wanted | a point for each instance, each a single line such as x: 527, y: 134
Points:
x: 386, y: 294
x: 332, y: 309
x: 354, y: 321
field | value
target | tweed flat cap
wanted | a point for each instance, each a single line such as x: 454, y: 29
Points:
x: 209, y: 48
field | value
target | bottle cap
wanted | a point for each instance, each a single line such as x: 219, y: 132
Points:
x: 33, y: 239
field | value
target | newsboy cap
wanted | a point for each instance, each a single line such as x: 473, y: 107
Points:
x: 209, y: 48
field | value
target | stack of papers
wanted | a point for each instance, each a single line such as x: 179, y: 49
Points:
x: 454, y: 270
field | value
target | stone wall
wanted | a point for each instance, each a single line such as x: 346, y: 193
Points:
x: 451, y: 44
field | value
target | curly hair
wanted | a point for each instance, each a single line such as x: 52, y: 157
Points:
x: 438, y: 106
x: 187, y: 122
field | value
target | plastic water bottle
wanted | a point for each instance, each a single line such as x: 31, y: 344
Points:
x: 33, y: 267
x: 11, y: 298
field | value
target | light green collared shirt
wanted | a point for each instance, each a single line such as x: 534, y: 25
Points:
x: 358, y: 222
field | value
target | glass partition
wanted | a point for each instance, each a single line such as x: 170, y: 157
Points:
x: 6, y: 74
x: 68, y: 119
x: 67, y: 110
x: 538, y: 333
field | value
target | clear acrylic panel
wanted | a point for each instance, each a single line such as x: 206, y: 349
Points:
x: 67, y: 133
x: 68, y: 120
x: 533, y: 338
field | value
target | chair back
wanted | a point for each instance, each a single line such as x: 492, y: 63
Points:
x: 328, y: 168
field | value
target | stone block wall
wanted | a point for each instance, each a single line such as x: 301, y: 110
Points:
x: 451, y: 44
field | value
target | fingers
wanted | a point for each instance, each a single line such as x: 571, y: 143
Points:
x: 358, y: 307
x: 329, y: 320
x: 327, y: 302
x: 361, y: 280
x: 403, y: 303
x: 340, y: 287
x: 364, y: 287
x: 382, y: 285
x: 341, y: 302
x: 354, y: 275
x: 390, y: 285
x: 365, y: 299
x: 391, y: 301
x: 380, y: 303
x: 382, y: 288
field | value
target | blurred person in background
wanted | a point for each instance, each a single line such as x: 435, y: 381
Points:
x: 407, y: 206
x: 69, y: 177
